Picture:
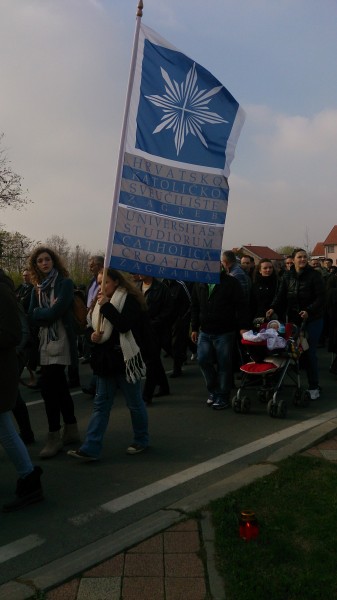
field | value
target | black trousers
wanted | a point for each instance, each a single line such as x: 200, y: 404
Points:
x: 179, y: 343
x: 21, y: 414
x: 155, y: 374
x: 56, y: 396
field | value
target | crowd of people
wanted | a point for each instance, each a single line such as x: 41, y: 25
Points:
x: 131, y: 320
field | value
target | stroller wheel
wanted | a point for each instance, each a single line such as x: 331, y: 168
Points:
x: 272, y: 408
x: 245, y: 404
x: 236, y: 404
x: 265, y: 395
x: 301, y: 398
x: 297, y: 397
x: 282, y: 409
x: 305, y: 398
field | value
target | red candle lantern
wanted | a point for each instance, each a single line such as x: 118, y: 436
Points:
x: 248, y: 525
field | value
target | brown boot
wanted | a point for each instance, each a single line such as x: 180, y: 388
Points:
x: 53, y: 446
x: 70, y: 434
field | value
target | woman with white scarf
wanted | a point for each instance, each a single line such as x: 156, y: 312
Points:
x: 118, y: 322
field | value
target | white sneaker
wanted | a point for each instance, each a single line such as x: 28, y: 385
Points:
x: 193, y: 356
x: 314, y: 394
x: 135, y: 449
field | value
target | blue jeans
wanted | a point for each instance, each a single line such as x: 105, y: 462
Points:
x: 215, y: 355
x: 314, y: 330
x: 106, y: 389
x: 14, y: 446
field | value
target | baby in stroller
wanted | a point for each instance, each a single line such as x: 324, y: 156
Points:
x: 271, y: 353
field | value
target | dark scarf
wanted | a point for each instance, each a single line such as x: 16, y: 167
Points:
x: 44, y: 291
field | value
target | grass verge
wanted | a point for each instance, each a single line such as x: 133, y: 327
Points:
x: 295, y: 555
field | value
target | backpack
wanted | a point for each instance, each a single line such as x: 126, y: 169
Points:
x: 79, y: 310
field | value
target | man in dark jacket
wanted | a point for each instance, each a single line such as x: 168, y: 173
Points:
x: 180, y: 292
x: 24, y: 291
x: 218, y: 312
x: 160, y: 307
x: 95, y: 265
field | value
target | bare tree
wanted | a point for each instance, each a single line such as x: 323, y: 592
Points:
x: 76, y: 258
x: 286, y: 250
x: 60, y: 245
x: 78, y: 265
x: 11, y: 192
x: 14, y: 251
x: 307, y: 243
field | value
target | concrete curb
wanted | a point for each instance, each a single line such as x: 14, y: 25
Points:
x: 69, y: 566
x: 63, y: 569
x: 222, y: 488
x: 216, y: 582
x: 303, y: 442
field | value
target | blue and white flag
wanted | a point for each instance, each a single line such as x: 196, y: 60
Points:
x: 182, y: 129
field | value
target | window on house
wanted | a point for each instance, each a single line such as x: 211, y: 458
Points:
x: 331, y: 249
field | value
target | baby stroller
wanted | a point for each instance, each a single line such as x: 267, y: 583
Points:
x: 266, y: 371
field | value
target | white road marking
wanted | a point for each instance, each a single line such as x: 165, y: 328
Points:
x: 35, y: 402
x: 20, y: 546
x: 40, y: 401
x: 167, y: 483
x: 95, y: 513
x: 32, y: 541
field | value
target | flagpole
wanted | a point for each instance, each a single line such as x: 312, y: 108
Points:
x: 123, y: 136
x: 120, y: 161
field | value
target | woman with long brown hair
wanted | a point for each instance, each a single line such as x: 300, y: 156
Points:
x: 50, y: 310
x: 117, y: 361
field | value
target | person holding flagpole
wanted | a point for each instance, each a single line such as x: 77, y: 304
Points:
x: 118, y: 320
x: 178, y: 138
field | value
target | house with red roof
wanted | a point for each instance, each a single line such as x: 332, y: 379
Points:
x: 330, y: 245
x: 328, y: 248
x: 318, y: 251
x: 258, y: 252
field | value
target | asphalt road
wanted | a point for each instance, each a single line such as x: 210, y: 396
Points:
x: 191, y: 446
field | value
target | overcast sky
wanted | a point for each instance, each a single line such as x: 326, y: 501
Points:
x: 64, y: 66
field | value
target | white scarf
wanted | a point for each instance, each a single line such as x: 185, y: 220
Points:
x: 134, y: 365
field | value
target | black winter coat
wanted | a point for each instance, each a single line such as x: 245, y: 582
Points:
x: 263, y: 293
x: 224, y: 310
x: 160, y: 306
x: 300, y: 291
x: 181, y: 300
x: 23, y: 294
x: 331, y: 286
x: 159, y: 303
x: 10, y: 335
